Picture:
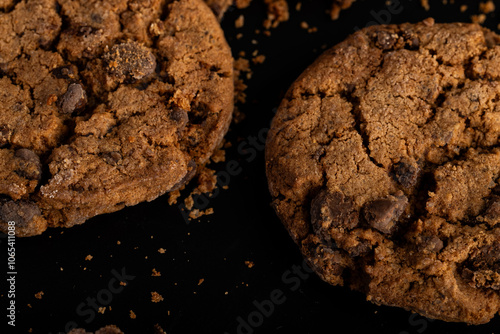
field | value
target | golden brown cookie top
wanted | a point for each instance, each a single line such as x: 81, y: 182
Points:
x: 384, y: 163
x: 119, y: 100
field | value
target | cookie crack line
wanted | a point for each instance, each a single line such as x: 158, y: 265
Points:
x: 397, y: 167
x: 145, y: 87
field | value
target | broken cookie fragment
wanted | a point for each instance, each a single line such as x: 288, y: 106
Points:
x: 130, y: 60
x: 383, y: 214
x: 73, y: 100
x: 329, y: 210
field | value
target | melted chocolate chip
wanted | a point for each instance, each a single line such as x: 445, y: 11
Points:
x: 330, y: 210
x: 20, y: 212
x: 179, y: 115
x: 383, y: 214
x: 74, y: 99
x: 28, y: 164
x: 406, y: 173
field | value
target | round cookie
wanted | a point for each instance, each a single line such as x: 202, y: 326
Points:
x: 106, y: 104
x: 383, y: 162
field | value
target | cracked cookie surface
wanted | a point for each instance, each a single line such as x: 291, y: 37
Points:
x: 105, y: 104
x: 383, y: 162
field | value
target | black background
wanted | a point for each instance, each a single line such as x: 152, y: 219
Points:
x: 215, y: 248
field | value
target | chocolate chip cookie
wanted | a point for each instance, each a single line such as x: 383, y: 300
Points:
x: 105, y: 104
x: 383, y: 162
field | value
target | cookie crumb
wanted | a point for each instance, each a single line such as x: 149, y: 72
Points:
x: 161, y: 251
x: 173, y: 196
x: 425, y: 4
x: 123, y: 283
x: 463, y: 8
x: 240, y: 22
x: 102, y: 310
x: 249, y: 264
x: 89, y: 257
x: 479, y: 19
x: 39, y: 295
x: 259, y: 59
x: 132, y: 315
x: 487, y: 7
x: 200, y: 282
x: 156, y: 297
x: 155, y: 273
x: 219, y: 156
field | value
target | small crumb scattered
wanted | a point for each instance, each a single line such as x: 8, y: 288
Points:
x: 118, y: 242
x: 479, y: 19
x: 155, y: 273
x: 425, y: 4
x: 200, y: 282
x: 240, y: 22
x: 39, y: 295
x: 132, y: 315
x: 29, y: 305
x: 89, y: 257
x: 298, y: 6
x: 304, y: 25
x: 463, y: 8
x: 123, y: 283
x: 156, y: 297
x: 161, y: 251
x: 249, y: 264
x: 173, y: 196
x: 219, y: 156
x: 239, y: 36
x: 487, y: 7
x: 259, y: 59
x: 102, y: 310
x: 226, y: 293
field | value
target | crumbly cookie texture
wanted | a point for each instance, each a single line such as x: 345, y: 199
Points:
x: 105, y: 104
x: 383, y: 161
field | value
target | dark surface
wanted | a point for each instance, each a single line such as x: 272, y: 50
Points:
x: 215, y: 248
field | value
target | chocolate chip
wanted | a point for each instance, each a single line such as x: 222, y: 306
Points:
x: 4, y: 135
x: 65, y: 72
x: 406, y: 173
x: 130, y: 60
x: 431, y: 243
x: 20, y: 212
x: 179, y: 115
x: 28, y: 164
x: 383, y: 214
x: 74, y: 99
x: 112, y: 158
x: 386, y: 40
x: 329, y: 210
